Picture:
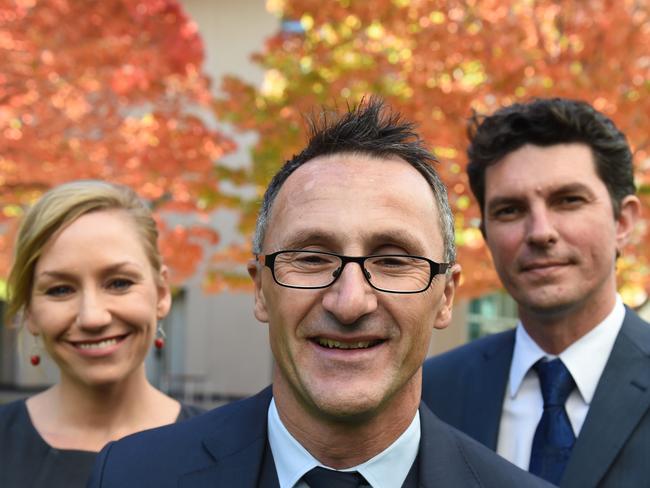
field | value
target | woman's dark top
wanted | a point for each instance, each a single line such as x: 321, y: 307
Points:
x: 27, y: 461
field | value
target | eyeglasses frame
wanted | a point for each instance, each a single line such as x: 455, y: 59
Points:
x: 268, y: 260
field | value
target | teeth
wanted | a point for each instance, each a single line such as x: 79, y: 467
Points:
x: 98, y: 345
x: 332, y: 344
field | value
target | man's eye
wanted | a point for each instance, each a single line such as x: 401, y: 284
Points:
x: 314, y: 263
x: 508, y: 212
x: 59, y: 291
x: 571, y: 200
x: 392, y: 261
x: 120, y: 284
x: 313, y: 259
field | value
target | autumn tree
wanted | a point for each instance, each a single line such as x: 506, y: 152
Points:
x: 437, y: 61
x: 111, y: 90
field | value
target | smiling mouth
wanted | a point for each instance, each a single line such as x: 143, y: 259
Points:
x: 333, y: 344
x: 89, y: 345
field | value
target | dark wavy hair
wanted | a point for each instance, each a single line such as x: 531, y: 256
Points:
x: 546, y: 122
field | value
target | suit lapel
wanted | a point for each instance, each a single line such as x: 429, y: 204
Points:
x: 237, y: 446
x: 621, y: 399
x: 437, y: 464
x: 487, y: 387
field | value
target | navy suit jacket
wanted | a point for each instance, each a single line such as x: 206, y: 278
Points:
x: 226, y: 448
x: 466, y: 386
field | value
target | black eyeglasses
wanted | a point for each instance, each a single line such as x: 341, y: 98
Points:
x: 392, y: 273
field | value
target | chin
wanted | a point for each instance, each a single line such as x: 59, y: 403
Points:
x: 548, y: 305
x: 102, y: 379
x: 348, y: 407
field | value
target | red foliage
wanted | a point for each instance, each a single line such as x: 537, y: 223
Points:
x: 436, y: 61
x: 111, y: 90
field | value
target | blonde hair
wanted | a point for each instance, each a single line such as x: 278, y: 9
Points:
x: 57, y: 209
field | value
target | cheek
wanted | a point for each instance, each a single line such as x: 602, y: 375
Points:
x: 287, y: 308
x: 140, y: 311
x: 281, y: 328
x: 50, y: 319
x: 503, y: 245
x: 415, y: 338
x: 414, y: 319
x: 278, y: 342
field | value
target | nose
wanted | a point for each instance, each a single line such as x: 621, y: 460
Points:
x: 541, y: 230
x: 351, y: 296
x: 92, y: 312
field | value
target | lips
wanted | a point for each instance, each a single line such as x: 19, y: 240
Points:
x: 540, y: 265
x: 97, y: 344
x: 346, y: 344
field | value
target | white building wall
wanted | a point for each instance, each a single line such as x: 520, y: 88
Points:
x: 226, y: 349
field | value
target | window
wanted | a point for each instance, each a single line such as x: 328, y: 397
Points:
x: 490, y: 314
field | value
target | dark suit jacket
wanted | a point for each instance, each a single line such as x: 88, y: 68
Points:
x: 466, y: 387
x: 225, y: 448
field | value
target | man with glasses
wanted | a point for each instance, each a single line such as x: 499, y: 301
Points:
x: 353, y: 269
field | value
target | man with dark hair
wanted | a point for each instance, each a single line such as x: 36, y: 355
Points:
x: 566, y: 394
x: 353, y: 270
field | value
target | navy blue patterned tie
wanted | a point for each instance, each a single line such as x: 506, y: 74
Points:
x: 328, y: 478
x: 554, y: 437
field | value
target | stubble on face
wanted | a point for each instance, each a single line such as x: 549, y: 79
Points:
x: 551, y: 230
x: 344, y: 204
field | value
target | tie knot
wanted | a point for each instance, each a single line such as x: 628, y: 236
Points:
x: 555, y: 380
x: 328, y: 478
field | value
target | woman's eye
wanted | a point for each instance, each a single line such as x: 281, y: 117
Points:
x: 59, y: 290
x: 120, y: 284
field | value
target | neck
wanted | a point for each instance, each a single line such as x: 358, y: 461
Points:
x: 343, y: 443
x: 73, y: 415
x: 554, y: 331
x: 103, y: 405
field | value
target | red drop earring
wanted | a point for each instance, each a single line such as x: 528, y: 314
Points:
x: 35, y: 357
x: 159, y: 342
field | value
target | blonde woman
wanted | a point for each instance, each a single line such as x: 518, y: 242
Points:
x: 88, y: 283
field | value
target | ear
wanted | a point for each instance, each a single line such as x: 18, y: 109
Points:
x: 164, y: 293
x: 443, y: 316
x: 255, y: 270
x: 629, y: 214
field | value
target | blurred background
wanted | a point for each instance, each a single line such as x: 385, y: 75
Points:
x: 196, y: 103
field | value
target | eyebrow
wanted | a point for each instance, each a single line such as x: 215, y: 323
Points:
x: 554, y: 191
x: 62, y: 274
x: 314, y: 236
x: 571, y: 188
x: 306, y: 237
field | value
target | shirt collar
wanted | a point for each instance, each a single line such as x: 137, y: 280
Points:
x: 387, y: 469
x: 585, y: 359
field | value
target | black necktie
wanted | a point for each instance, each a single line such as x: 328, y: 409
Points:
x: 328, y: 478
x: 554, y: 437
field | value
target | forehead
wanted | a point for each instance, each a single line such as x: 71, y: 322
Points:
x: 541, y: 170
x: 109, y: 231
x: 351, y: 198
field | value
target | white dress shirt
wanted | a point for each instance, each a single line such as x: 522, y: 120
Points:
x: 387, y: 469
x: 523, y: 403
